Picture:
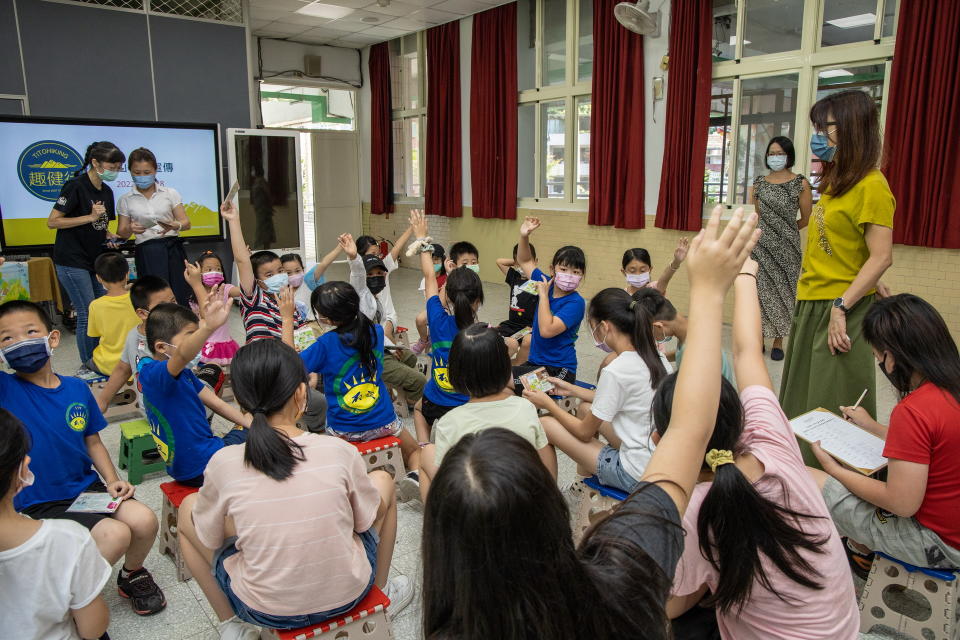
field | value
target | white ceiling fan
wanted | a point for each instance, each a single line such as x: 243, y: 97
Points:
x: 638, y: 18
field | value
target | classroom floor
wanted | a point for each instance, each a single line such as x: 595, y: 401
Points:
x: 188, y: 616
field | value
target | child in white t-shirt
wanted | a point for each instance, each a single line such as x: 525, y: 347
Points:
x: 51, y: 572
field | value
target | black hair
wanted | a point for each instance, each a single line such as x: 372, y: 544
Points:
x: 631, y: 318
x: 207, y: 255
x: 144, y: 287
x: 142, y: 154
x: 291, y: 257
x: 571, y: 257
x: 338, y: 302
x: 479, y: 362
x: 101, y: 152
x: 463, y: 289
x: 533, y: 251
x: 260, y: 258
x: 914, y: 333
x: 656, y: 304
x: 738, y: 526
x: 112, y: 267
x: 265, y: 374
x: 165, y: 321
x: 492, y: 485
x: 462, y: 248
x: 13, y: 306
x: 637, y: 253
x: 14, y: 447
x: 438, y: 251
x: 365, y: 242
x: 787, y: 145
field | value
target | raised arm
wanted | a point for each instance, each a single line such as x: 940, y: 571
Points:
x: 215, y: 313
x: 748, y: 362
x: 358, y: 274
x: 714, y: 261
x: 418, y: 222
x: 504, y: 265
x: 287, y: 304
x: 401, y: 243
x: 193, y: 276
x: 524, y: 255
x: 241, y: 254
x: 321, y: 267
x: 683, y: 245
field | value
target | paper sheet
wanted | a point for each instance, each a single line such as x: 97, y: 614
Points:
x: 841, y: 439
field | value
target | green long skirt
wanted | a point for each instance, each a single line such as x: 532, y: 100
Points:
x: 813, y: 378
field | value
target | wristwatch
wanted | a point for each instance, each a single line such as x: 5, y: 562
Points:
x: 838, y: 304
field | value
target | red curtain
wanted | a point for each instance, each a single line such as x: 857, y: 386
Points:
x: 688, y: 114
x: 616, y: 128
x: 493, y: 113
x: 381, y: 142
x: 922, y: 134
x: 443, y: 194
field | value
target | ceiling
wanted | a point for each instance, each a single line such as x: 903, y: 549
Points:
x: 368, y: 24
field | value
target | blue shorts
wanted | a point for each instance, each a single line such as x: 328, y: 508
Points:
x: 611, y: 473
x: 391, y: 429
x: 245, y: 613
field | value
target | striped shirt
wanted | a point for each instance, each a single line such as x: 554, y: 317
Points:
x: 261, y: 315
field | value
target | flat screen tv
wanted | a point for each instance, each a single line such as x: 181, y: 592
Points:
x: 39, y: 154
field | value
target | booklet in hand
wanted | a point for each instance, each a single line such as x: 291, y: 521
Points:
x: 95, y: 503
x: 536, y: 380
x: 844, y: 440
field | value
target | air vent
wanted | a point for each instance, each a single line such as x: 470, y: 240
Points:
x: 311, y: 66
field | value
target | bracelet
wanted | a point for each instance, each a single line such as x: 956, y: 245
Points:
x: 744, y: 273
x: 673, y: 268
x: 179, y: 226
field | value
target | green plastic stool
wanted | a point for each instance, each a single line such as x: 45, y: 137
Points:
x: 135, y: 440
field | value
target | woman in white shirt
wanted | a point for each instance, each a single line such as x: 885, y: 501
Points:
x: 155, y: 213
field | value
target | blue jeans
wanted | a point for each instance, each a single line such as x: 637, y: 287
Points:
x: 82, y: 288
x: 610, y: 471
x: 370, y: 541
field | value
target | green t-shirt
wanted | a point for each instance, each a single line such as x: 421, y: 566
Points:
x: 513, y: 413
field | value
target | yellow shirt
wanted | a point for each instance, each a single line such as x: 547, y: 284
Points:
x: 836, y: 249
x: 110, y: 319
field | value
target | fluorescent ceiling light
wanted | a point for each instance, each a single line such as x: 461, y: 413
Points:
x: 320, y: 10
x: 733, y: 41
x: 835, y: 73
x: 862, y: 20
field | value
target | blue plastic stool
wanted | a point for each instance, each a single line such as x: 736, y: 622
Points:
x: 596, y: 502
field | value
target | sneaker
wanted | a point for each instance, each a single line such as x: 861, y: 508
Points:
x: 88, y: 375
x: 420, y: 346
x: 572, y: 494
x: 400, y: 592
x: 776, y: 354
x: 212, y: 375
x: 860, y: 562
x: 409, y: 487
x: 144, y: 594
x: 237, y: 629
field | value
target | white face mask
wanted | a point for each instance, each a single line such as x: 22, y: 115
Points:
x: 776, y: 163
x: 26, y: 479
x: 638, y: 280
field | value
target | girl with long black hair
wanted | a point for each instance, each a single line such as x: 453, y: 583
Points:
x: 346, y: 520
x: 760, y: 546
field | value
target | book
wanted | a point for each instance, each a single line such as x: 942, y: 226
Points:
x: 303, y: 338
x: 520, y: 335
x: 95, y: 503
x: 536, y: 380
x: 842, y: 439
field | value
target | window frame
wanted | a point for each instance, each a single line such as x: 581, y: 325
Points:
x: 420, y: 114
x: 807, y: 62
x: 568, y: 93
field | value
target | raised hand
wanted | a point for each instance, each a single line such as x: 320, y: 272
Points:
x: 419, y: 223
x: 681, y: 251
x: 216, y: 310
x: 716, y: 257
x: 530, y: 224
x: 287, y: 303
x: 348, y: 245
x: 191, y: 273
x: 229, y: 211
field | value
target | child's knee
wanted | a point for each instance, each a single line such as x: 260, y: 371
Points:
x: 112, y: 537
x: 139, y: 518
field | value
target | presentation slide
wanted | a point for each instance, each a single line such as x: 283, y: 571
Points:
x: 38, y: 157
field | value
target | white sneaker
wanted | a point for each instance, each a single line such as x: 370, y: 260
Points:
x: 237, y: 629
x: 409, y: 487
x: 400, y: 592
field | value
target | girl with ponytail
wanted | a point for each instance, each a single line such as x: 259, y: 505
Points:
x: 620, y: 406
x: 285, y: 474
x: 760, y: 544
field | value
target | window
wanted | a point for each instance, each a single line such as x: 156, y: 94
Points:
x: 554, y: 71
x: 772, y: 60
x: 296, y: 107
x: 409, y: 96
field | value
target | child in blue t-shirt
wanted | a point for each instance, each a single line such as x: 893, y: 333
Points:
x: 173, y: 396
x: 560, y: 308
x: 448, y: 311
x: 67, y: 456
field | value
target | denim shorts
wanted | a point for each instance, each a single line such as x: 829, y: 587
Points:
x: 391, y: 429
x: 245, y: 613
x: 611, y: 473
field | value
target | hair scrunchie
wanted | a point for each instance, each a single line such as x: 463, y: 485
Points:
x: 633, y: 303
x: 717, y: 458
x: 420, y: 245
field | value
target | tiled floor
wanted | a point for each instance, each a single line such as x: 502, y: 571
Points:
x: 188, y: 616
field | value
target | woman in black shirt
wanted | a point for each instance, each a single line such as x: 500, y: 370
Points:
x: 80, y: 216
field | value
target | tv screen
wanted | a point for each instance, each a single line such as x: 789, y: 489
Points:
x: 40, y: 154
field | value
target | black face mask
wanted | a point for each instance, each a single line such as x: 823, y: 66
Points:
x: 376, y: 284
x: 896, y: 377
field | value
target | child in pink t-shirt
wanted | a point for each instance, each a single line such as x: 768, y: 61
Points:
x: 203, y: 276
x: 772, y: 561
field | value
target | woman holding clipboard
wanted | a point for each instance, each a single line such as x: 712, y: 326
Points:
x: 155, y: 213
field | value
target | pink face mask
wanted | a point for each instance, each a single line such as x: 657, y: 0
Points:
x: 212, y: 278
x: 295, y: 279
x: 567, y: 281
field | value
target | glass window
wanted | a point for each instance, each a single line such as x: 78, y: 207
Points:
x: 771, y: 26
x: 553, y: 136
x: 527, y: 150
x: 846, y: 21
x: 585, y: 42
x: 526, y: 44
x: 583, y: 147
x: 724, y: 30
x: 398, y: 153
x: 554, y: 50
x: 889, y: 18
x: 717, y: 169
x: 306, y: 107
x: 768, y: 108
x: 411, y: 159
x: 411, y: 80
x: 396, y: 75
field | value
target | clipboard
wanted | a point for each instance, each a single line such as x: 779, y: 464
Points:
x: 853, y: 446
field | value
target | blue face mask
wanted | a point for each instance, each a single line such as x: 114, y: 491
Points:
x: 27, y: 356
x: 145, y: 182
x: 436, y: 267
x: 776, y: 163
x: 276, y: 282
x: 820, y: 146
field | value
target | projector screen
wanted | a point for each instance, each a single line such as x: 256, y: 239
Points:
x: 39, y: 155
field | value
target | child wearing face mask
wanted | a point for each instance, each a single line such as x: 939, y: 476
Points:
x: 636, y: 267
x: 462, y: 254
x: 203, y: 276
x: 560, y: 308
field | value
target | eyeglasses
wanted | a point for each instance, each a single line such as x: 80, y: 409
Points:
x: 826, y: 126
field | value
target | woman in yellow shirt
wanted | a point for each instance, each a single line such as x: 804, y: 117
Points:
x: 849, y: 246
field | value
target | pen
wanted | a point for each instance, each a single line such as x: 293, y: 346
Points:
x: 859, y: 400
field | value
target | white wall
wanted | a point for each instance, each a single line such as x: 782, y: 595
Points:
x: 363, y: 122
x: 653, y: 50
x: 279, y: 56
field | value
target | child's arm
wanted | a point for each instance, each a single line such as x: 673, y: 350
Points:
x: 223, y: 409
x: 902, y: 493
x: 288, y: 307
x: 583, y: 430
x: 321, y: 267
x: 191, y: 273
x: 678, y: 255
x: 401, y: 243
x: 418, y: 222
x: 504, y: 265
x: 93, y: 619
x: 549, y: 325
x: 104, y: 465
x: 120, y: 374
x: 241, y: 254
x: 715, y: 260
x: 748, y: 364
x: 215, y: 313
x: 358, y: 273
x: 524, y: 255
